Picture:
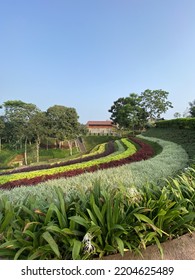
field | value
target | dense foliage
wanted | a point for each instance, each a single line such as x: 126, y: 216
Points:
x: 99, y: 222
x: 22, y: 124
x: 133, y: 111
x: 181, y: 123
x: 111, y: 210
x: 192, y: 108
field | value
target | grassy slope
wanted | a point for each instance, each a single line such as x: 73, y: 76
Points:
x: 183, y: 137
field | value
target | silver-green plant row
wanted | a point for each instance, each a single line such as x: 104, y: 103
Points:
x: 172, y: 159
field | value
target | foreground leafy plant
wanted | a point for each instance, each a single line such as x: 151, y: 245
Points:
x: 98, y: 222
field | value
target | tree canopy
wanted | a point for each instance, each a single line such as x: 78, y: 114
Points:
x: 155, y: 102
x: 25, y: 122
x: 128, y: 112
x: 192, y: 108
x: 134, y: 110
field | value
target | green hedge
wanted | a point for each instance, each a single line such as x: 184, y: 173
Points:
x: 186, y: 123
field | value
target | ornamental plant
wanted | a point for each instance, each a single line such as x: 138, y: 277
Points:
x: 102, y: 151
x: 98, y: 222
x: 111, y: 161
x: 70, y: 170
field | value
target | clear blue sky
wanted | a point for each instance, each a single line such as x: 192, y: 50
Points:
x: 87, y: 53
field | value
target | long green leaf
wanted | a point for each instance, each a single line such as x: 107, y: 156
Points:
x: 7, y: 220
x: 92, y: 217
x: 120, y: 244
x: 76, y: 249
x: 47, y: 236
x: 144, y: 218
x: 12, y: 244
x: 7, y: 253
x: 29, y: 212
x: 98, y: 214
x: 79, y: 220
x: 17, y: 255
x: 62, y: 206
x: 159, y: 246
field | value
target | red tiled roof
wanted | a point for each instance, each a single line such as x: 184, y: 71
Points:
x: 99, y: 123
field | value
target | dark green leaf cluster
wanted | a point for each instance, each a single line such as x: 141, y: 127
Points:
x: 23, y: 123
x: 181, y: 123
x: 133, y: 112
x: 99, y: 222
x: 192, y: 108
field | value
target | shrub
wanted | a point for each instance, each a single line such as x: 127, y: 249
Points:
x: 181, y: 123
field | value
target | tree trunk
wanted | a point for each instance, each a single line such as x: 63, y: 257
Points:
x: 70, y: 146
x: 0, y: 145
x: 25, y: 152
x: 76, y: 145
x: 38, y: 147
x: 21, y: 145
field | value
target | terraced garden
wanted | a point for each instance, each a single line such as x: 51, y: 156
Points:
x: 90, y: 163
x: 124, y: 195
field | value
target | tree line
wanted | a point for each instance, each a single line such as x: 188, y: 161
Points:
x: 23, y: 123
x: 135, y: 111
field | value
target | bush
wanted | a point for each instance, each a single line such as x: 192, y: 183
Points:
x: 181, y: 123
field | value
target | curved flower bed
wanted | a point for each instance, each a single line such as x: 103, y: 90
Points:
x: 108, y: 149
x: 143, y: 153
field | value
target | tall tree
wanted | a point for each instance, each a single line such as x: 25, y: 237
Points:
x: 127, y: 112
x: 2, y: 127
x: 63, y: 123
x: 155, y: 102
x: 38, y: 129
x: 17, y: 116
x: 192, y: 108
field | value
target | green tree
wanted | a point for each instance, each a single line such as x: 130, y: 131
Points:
x: 128, y: 112
x: 63, y: 123
x: 177, y: 115
x: 192, y: 108
x: 2, y: 127
x: 155, y: 102
x: 37, y: 125
x: 17, y: 116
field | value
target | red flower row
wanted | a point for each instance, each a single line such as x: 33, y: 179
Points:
x: 109, y: 150
x: 143, y: 153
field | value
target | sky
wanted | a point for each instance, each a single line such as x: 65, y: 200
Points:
x: 88, y: 53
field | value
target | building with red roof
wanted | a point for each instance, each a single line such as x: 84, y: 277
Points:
x: 101, y: 127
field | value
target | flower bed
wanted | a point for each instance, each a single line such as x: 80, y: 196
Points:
x: 103, y: 150
x: 126, y: 157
